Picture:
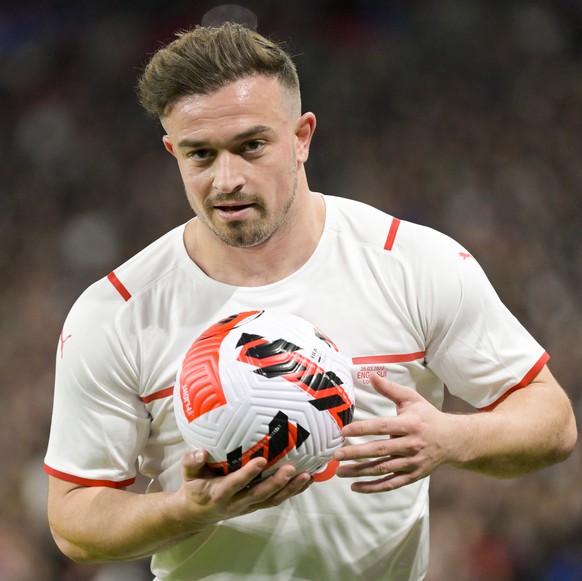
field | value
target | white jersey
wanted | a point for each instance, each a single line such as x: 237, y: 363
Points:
x: 397, y: 298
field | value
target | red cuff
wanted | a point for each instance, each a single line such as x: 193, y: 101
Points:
x: 87, y: 481
x: 527, y: 379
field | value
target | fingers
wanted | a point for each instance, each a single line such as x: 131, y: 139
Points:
x: 241, y: 491
x: 390, y: 482
x: 277, y: 488
x: 391, y: 426
x: 377, y: 467
x: 391, y: 473
x: 194, y: 467
x: 270, y: 492
x: 193, y: 463
x: 399, y: 394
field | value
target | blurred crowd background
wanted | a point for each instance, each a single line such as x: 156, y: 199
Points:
x: 464, y: 115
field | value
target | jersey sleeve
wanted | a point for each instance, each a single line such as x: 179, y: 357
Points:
x: 474, y: 343
x: 99, y: 423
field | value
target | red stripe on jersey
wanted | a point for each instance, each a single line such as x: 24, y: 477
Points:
x: 87, y: 481
x: 527, y: 379
x: 112, y: 278
x: 163, y: 393
x: 392, y: 234
x: 377, y: 359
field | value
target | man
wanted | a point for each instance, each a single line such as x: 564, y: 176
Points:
x: 409, y: 306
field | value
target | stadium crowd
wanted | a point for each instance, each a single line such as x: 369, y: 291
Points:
x: 463, y: 115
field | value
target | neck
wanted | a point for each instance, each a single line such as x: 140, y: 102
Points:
x: 276, y: 258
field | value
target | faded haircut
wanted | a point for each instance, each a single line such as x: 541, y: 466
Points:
x: 202, y: 60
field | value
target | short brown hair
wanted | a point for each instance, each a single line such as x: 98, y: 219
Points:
x: 203, y: 60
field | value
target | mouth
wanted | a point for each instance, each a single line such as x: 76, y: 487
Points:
x: 233, y: 211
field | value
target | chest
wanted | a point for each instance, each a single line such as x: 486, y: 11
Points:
x: 370, y: 314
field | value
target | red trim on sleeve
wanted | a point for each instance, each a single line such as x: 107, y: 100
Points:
x: 379, y: 359
x: 87, y: 481
x: 527, y: 379
x: 392, y: 234
x: 167, y: 392
x: 112, y: 278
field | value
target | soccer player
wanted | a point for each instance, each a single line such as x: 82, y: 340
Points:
x: 410, y: 307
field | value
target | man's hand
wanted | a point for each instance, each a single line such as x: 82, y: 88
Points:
x: 101, y: 523
x: 413, y: 446
x: 210, y: 498
x: 528, y: 429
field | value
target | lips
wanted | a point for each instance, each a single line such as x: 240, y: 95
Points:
x: 233, y: 211
x: 232, y: 207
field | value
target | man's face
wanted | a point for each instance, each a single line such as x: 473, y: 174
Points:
x: 238, y: 156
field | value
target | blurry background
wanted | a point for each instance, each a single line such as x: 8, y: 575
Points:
x: 464, y: 115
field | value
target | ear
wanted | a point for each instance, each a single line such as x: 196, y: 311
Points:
x: 304, y: 132
x: 168, y: 145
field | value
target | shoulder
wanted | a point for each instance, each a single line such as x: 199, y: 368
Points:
x: 99, y: 338
x: 155, y: 262
x: 366, y: 225
x: 357, y: 221
x: 106, y: 298
x: 435, y: 270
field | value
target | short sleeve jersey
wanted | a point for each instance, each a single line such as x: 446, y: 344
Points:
x: 398, y: 299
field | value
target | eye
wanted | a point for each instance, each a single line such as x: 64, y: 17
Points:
x: 252, y: 146
x: 199, y: 154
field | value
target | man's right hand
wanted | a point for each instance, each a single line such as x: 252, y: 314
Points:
x: 211, y: 498
x: 102, y: 523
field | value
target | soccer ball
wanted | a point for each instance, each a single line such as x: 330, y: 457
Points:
x: 264, y: 383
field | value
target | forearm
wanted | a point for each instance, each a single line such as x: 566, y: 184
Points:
x: 533, y: 428
x: 96, y: 524
x: 104, y: 524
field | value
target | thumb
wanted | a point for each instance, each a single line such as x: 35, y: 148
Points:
x: 399, y: 394
x: 193, y: 463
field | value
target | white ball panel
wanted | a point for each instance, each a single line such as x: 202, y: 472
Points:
x: 255, y: 399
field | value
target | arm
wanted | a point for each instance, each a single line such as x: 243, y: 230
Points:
x: 532, y: 428
x: 95, y: 524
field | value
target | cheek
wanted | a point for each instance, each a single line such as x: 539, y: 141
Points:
x: 195, y: 183
x: 195, y: 195
x: 285, y: 168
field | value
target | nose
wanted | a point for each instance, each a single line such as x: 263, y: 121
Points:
x: 228, y: 173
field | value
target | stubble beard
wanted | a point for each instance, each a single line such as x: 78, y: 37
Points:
x: 248, y: 233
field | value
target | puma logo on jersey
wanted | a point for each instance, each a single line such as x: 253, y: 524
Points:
x: 63, y: 340
x: 465, y: 255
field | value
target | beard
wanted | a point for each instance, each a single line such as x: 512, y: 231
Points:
x: 252, y: 231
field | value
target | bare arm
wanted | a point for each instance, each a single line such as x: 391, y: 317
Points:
x: 94, y: 524
x: 532, y: 428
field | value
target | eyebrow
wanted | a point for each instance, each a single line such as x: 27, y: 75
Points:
x: 251, y: 132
